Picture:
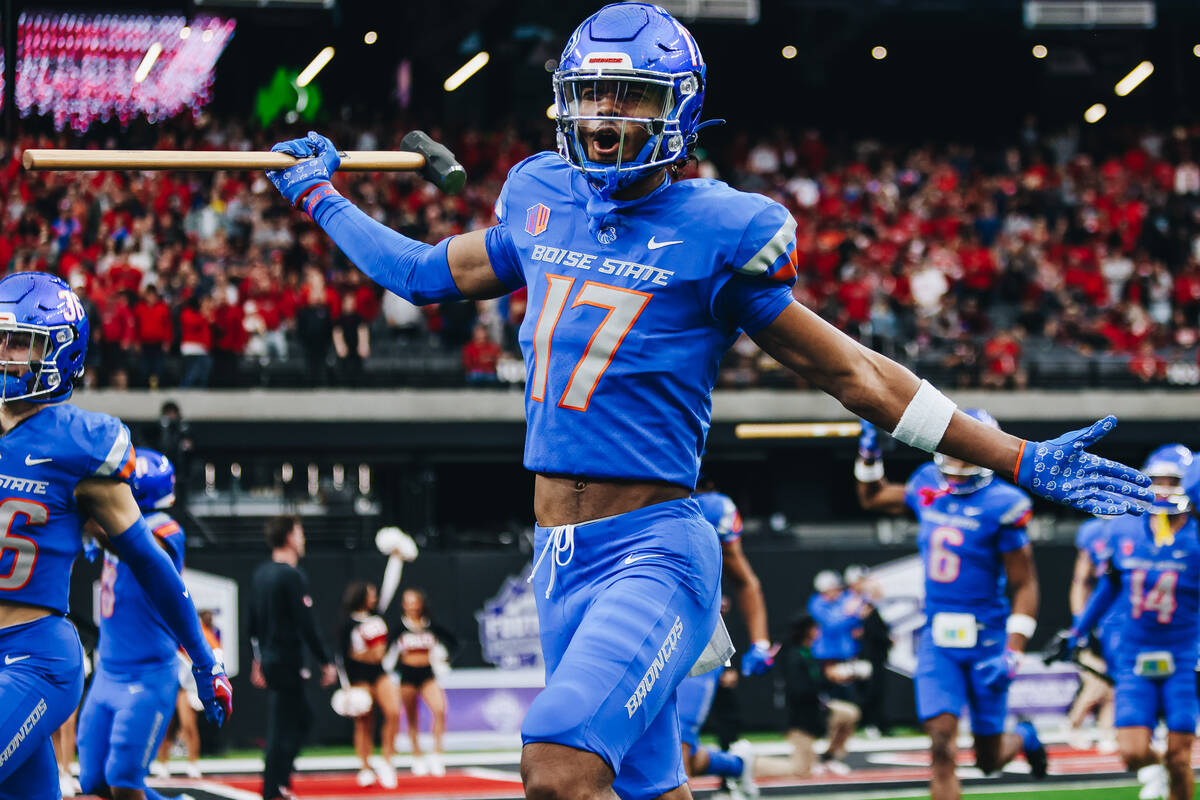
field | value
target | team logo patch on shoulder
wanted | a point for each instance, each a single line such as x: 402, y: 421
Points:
x: 537, y: 217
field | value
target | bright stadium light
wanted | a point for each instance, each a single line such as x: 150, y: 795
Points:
x: 1040, y: 51
x: 789, y: 51
x: 879, y: 52
x: 552, y: 111
x: 147, y: 62
x: 464, y: 72
x: 1095, y: 113
x: 1196, y: 51
x: 1134, y: 78
x: 185, y: 32
x: 316, y: 65
x: 371, y: 37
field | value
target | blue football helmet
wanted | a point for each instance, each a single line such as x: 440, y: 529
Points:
x: 44, y: 334
x: 1167, y: 467
x: 629, y: 70
x: 961, y: 477
x: 153, y: 480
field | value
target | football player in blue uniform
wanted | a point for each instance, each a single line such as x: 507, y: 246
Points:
x: 638, y: 283
x: 1155, y: 565
x: 695, y: 694
x: 132, y: 698
x: 973, y: 545
x: 1094, y: 549
x: 59, y: 467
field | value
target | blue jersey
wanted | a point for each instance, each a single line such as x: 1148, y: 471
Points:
x: 722, y: 514
x: 41, y: 461
x: 631, y: 306
x: 837, y: 619
x: 128, y: 618
x: 1161, y: 584
x: 1093, y: 538
x: 962, y: 540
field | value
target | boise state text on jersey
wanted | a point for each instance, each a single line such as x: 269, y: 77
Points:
x: 961, y: 541
x: 626, y: 325
x: 1161, y: 584
x: 722, y: 513
x: 41, y: 462
x: 127, y: 615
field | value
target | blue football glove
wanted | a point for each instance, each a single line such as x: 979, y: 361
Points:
x: 998, y: 671
x: 868, y: 442
x: 91, y: 549
x: 323, y: 160
x: 215, y: 692
x: 1063, y: 471
x: 759, y: 658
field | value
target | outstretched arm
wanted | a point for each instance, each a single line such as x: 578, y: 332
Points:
x: 748, y: 588
x: 875, y: 492
x: 889, y: 395
x: 455, y: 268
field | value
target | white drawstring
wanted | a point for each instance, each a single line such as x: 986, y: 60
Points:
x: 563, y: 540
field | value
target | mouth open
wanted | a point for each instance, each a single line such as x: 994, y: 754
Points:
x: 606, y: 144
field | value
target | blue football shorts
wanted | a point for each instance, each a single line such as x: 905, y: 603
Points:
x: 947, y: 682
x: 123, y: 721
x: 1140, y: 702
x: 626, y: 605
x: 40, y: 685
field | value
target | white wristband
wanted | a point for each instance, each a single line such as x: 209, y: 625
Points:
x: 868, y: 473
x: 1022, y: 624
x: 926, y: 418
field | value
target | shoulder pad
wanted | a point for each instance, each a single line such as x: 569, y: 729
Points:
x: 768, y: 245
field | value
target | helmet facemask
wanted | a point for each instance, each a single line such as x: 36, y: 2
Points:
x: 617, y: 126
x: 29, y: 359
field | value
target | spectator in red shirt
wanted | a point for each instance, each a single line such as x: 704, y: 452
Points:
x: 1146, y: 366
x: 118, y: 334
x: 1002, y: 364
x: 229, y: 342
x: 155, y: 332
x: 195, y: 341
x: 480, y: 356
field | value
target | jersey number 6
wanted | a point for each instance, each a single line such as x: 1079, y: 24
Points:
x: 24, y: 550
x: 624, y: 306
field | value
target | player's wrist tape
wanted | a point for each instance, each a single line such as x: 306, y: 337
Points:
x: 925, y: 419
x: 312, y: 197
x: 154, y: 572
x: 1021, y: 624
x: 763, y: 644
x: 868, y: 473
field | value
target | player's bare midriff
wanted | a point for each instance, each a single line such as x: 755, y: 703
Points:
x: 571, y: 499
x: 15, y: 613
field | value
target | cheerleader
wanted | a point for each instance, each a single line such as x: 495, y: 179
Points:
x: 424, y: 651
x: 363, y: 643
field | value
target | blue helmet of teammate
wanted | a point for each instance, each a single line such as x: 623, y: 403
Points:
x: 628, y: 92
x: 1167, y: 468
x: 44, y: 336
x: 153, y: 480
x: 961, y: 477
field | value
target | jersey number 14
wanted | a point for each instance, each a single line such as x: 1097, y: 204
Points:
x: 624, y: 306
x: 1160, y: 599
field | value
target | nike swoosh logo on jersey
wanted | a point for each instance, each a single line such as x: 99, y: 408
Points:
x: 11, y: 660
x: 30, y: 461
x: 653, y: 245
x: 634, y: 558
x: 134, y: 688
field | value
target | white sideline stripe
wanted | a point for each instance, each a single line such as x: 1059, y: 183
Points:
x: 492, y: 774
x: 212, y: 787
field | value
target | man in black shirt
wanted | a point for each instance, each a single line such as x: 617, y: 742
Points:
x: 281, y: 622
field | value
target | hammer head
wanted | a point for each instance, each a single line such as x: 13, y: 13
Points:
x: 441, y: 168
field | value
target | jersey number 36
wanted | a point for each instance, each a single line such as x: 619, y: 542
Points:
x: 24, y: 550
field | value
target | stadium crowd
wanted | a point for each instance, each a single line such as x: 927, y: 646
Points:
x: 1043, y: 263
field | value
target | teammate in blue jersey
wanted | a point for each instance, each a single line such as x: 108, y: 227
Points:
x: 974, y: 548
x: 695, y: 694
x: 132, y: 696
x: 1094, y: 549
x: 638, y: 282
x: 1155, y: 565
x: 59, y: 467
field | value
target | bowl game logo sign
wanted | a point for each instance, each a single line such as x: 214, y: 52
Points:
x: 508, y: 627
